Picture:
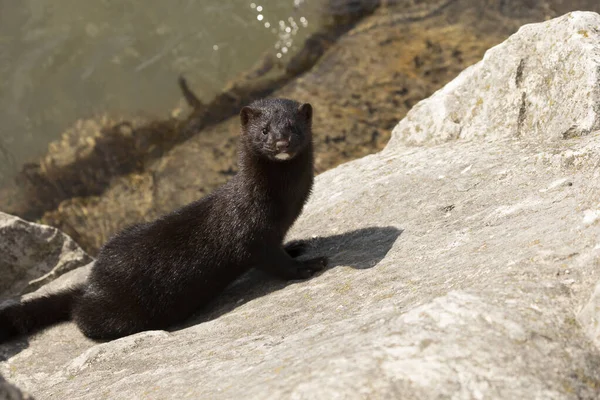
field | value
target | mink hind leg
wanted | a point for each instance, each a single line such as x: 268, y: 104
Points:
x: 100, y: 317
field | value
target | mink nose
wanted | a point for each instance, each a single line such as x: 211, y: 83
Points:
x: 282, y: 145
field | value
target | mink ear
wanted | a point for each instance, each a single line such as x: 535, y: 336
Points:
x: 247, y: 114
x: 305, y: 111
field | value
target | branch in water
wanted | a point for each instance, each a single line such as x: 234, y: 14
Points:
x: 189, y: 95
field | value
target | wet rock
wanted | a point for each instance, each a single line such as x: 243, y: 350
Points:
x: 32, y: 255
x: 456, y: 271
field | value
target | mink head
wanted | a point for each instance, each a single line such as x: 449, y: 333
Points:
x: 278, y: 129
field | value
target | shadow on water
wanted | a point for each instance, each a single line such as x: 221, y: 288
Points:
x: 359, y: 249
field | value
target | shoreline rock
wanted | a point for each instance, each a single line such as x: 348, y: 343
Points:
x: 31, y: 255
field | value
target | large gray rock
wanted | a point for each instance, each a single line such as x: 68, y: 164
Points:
x: 457, y: 272
x: 543, y: 83
x: 32, y: 255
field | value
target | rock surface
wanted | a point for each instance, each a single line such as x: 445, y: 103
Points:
x: 589, y: 316
x: 32, y: 255
x: 458, y: 270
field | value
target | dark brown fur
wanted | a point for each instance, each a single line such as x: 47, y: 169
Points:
x: 153, y: 275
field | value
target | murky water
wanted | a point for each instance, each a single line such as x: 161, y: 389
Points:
x: 61, y: 60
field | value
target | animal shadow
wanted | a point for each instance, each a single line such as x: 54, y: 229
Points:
x: 360, y: 249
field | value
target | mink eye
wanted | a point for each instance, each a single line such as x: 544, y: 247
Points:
x: 265, y: 131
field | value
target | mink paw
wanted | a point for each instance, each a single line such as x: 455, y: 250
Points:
x: 312, y: 266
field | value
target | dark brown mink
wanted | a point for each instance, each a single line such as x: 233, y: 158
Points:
x: 154, y: 275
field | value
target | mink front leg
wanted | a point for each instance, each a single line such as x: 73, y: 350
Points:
x: 279, y: 263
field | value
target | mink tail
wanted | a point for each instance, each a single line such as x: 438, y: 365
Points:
x: 22, y: 318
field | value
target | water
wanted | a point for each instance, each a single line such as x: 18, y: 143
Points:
x: 61, y: 60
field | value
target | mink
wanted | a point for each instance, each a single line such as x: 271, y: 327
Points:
x: 154, y: 275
